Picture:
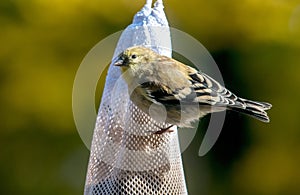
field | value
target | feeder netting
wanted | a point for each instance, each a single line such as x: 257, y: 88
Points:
x: 126, y: 156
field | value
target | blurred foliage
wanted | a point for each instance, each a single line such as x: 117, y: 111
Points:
x: 255, y: 43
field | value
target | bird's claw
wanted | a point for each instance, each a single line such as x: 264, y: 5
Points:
x: 164, y: 130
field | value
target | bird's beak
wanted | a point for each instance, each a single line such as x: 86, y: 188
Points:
x: 119, y: 62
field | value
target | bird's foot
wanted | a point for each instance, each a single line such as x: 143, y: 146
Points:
x: 164, y: 130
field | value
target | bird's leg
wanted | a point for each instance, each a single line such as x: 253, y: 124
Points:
x: 163, y: 130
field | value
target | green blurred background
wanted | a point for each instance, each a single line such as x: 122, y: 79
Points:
x: 255, y: 43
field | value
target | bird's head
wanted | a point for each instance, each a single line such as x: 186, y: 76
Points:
x: 133, y: 58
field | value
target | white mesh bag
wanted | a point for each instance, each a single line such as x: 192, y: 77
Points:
x: 126, y: 156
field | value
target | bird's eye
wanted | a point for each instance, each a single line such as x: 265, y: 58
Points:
x: 133, y: 56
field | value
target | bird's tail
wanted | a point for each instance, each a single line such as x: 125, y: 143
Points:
x: 254, y: 109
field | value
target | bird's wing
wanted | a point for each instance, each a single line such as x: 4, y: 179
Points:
x: 160, y: 93
x: 182, y: 83
x: 211, y: 92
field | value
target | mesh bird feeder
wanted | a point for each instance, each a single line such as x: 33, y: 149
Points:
x: 126, y: 156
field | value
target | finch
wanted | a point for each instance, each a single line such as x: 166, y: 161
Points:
x: 186, y: 93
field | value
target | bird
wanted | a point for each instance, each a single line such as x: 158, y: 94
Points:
x: 186, y: 93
